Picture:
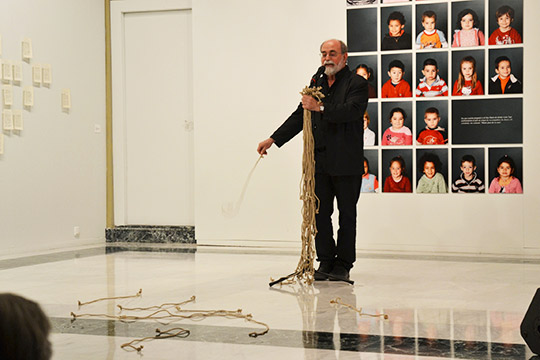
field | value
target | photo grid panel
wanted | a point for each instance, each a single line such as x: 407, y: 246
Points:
x: 445, y: 107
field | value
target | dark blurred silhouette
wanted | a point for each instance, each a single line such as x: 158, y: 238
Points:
x: 24, y: 329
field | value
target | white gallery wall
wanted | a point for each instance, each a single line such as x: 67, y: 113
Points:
x: 251, y: 59
x: 52, y: 174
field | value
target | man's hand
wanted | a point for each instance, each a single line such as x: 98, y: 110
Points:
x: 264, y: 145
x: 309, y: 103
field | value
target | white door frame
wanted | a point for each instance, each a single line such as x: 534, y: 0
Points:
x: 118, y: 11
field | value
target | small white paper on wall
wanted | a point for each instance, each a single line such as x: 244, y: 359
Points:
x: 27, y: 49
x: 66, y: 99
x: 7, y: 74
x: 36, y: 74
x: 7, y: 120
x: 46, y: 71
x: 17, y: 72
x: 28, y: 96
x: 7, y: 93
x: 18, y: 120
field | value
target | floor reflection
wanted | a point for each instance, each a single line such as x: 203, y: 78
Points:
x: 433, y: 333
x: 460, y: 310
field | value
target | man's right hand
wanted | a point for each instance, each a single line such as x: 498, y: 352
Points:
x: 264, y: 145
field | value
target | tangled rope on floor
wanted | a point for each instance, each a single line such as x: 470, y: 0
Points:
x: 178, y: 332
x: 168, y: 312
x: 310, y: 206
x: 337, y: 301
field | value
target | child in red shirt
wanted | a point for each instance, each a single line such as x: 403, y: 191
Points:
x: 467, y: 82
x: 505, y: 34
x: 396, y: 86
x: 397, y: 181
x: 433, y: 134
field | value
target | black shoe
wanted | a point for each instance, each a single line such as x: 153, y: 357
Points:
x: 339, y: 273
x: 322, y: 273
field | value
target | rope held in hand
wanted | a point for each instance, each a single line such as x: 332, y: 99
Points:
x: 305, y: 268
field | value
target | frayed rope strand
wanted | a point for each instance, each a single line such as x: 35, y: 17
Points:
x: 138, y: 294
x: 156, y: 307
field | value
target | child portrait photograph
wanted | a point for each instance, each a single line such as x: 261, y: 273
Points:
x: 432, y: 122
x: 468, y: 24
x: 431, y: 74
x: 362, y: 29
x: 396, y: 123
x: 370, y: 178
x: 468, y: 82
x: 506, y: 171
x: 361, y: 2
x: 366, y: 66
x: 371, y: 121
x: 396, y: 28
x: 396, y: 170
x: 396, y: 77
x: 445, y: 85
x: 432, y: 171
x: 431, y: 26
x: 506, y: 71
x: 468, y: 171
x: 468, y: 73
x: 505, y: 22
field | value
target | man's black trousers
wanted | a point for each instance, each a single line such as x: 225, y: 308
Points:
x: 346, y: 189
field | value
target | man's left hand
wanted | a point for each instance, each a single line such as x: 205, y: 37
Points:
x: 309, y: 103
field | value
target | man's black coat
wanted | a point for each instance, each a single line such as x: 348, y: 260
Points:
x: 339, y: 130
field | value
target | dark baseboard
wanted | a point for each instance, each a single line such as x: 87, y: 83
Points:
x: 151, y: 234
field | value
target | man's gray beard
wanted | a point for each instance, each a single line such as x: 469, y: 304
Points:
x: 331, y: 71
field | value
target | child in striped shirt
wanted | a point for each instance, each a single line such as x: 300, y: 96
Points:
x: 468, y: 182
x: 431, y: 84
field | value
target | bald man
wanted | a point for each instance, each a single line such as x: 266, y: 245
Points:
x: 337, y: 126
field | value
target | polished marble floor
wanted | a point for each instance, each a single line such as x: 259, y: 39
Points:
x: 438, y: 307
